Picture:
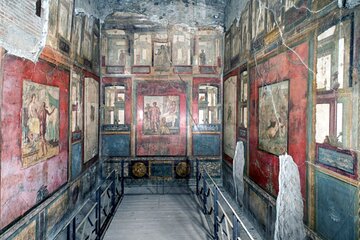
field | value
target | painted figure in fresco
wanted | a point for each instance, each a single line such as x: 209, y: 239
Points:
x: 229, y: 112
x: 42, y: 115
x: 147, y: 125
x: 122, y: 58
x: 33, y: 120
x: 162, y: 56
x: 171, y: 115
x: 202, y: 57
x: 154, y: 117
x: 164, y: 129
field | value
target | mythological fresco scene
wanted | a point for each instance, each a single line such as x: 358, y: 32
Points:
x: 193, y: 119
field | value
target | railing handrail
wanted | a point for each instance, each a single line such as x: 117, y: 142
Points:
x: 226, y: 201
x: 211, y: 188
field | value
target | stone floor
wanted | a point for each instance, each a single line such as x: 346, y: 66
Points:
x: 160, y: 217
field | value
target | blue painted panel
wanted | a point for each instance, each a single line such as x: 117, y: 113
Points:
x: 76, y: 160
x: 340, y: 160
x: 206, y: 145
x: 116, y: 145
x: 335, y: 208
x: 161, y: 170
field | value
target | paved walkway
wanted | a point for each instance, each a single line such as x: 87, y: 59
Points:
x: 160, y: 217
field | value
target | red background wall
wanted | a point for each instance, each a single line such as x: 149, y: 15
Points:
x: 157, y: 145
x: 19, y: 185
x: 264, y: 167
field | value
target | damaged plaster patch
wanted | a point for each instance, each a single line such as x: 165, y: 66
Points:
x: 169, y: 12
x: 19, y: 39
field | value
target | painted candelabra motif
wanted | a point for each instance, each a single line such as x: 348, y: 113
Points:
x: 273, y: 117
x: 161, y: 115
x: 40, y: 123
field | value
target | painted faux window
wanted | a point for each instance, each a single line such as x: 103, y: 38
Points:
x: 333, y: 85
x: 209, y: 106
x: 242, y: 101
x: 114, y: 105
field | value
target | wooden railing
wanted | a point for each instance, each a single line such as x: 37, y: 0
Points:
x: 226, y: 224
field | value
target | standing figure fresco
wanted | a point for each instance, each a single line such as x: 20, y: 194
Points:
x: 161, y: 115
x: 40, y: 123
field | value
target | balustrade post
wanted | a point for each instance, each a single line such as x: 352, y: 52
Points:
x: 122, y: 177
x: 98, y: 212
x: 113, y: 190
x: 197, y: 176
x: 204, y: 194
x: 216, y: 213
x: 235, y: 227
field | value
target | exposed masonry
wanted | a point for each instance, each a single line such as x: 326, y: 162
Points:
x: 170, y: 12
x: 22, y: 32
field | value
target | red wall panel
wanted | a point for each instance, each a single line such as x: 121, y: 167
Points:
x: 264, y: 167
x: 19, y: 186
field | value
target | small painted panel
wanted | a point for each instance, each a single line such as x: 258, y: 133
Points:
x: 208, y: 69
x: 343, y: 160
x: 40, y: 123
x: 56, y: 211
x: 115, y: 69
x: 273, y: 117
x: 116, y: 145
x: 207, y: 128
x: 91, y: 133
x: 65, y: 19
x: 116, y: 128
x: 336, y: 204
x: 141, y: 69
x: 206, y: 145
x: 230, y: 98
x: 76, y: 105
x: 76, y: 159
x: 181, y: 48
x: 142, y: 50
x: 27, y: 233
x: 258, y: 18
x: 161, y: 169
x: 245, y: 32
x: 162, y: 55
x: 183, y: 69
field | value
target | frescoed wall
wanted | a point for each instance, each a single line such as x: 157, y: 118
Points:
x: 28, y: 132
x: 161, y: 121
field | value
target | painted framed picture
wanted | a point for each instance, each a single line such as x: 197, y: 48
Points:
x: 274, y: 117
x: 235, y: 43
x: 77, y: 36
x: 258, y: 18
x: 161, y: 115
x: 162, y: 54
x: 117, y: 51
x: 40, y: 123
x: 230, y: 99
x: 52, y: 24
x: 142, y: 49
x: 86, y: 47
x: 274, y: 16
x: 206, y: 51
x: 76, y: 105
x: 91, y: 131
x: 245, y: 31
x: 181, y: 49
x: 227, y: 54
x: 65, y: 19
